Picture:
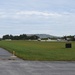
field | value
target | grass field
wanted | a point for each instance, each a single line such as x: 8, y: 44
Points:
x: 35, y: 50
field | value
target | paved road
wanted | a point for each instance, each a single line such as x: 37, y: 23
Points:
x: 20, y: 67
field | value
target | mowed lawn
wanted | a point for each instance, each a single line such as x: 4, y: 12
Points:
x: 36, y: 50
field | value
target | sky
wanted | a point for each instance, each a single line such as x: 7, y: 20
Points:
x: 54, y: 17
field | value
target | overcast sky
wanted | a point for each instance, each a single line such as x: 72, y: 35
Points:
x: 54, y: 17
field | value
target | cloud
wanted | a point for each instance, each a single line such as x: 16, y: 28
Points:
x: 37, y: 17
x: 3, y: 15
x: 38, y: 13
x: 23, y: 14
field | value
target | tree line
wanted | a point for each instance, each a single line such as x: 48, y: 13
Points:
x: 33, y: 37
x: 20, y: 37
x: 69, y: 38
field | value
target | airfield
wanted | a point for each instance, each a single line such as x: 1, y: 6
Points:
x: 17, y: 66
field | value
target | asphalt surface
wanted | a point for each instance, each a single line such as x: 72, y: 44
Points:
x: 21, y: 67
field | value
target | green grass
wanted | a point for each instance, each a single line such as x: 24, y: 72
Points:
x: 35, y: 50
